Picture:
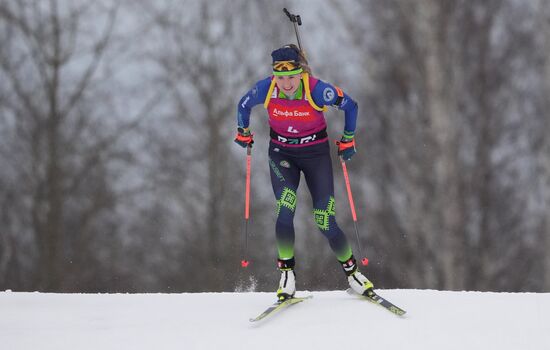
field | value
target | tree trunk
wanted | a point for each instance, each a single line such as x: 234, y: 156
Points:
x: 544, y: 151
x: 447, y: 229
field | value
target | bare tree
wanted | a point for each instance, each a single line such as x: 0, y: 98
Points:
x: 442, y: 114
x: 542, y: 143
x: 60, y: 150
x: 204, y: 64
x: 119, y: 171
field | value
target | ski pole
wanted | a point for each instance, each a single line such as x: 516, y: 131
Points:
x: 244, y: 261
x: 364, y: 260
x: 297, y: 21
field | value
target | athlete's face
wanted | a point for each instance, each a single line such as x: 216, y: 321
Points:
x: 288, y: 84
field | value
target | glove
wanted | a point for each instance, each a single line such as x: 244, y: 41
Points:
x: 346, y: 147
x: 244, y: 138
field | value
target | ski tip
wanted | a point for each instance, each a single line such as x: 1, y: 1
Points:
x: 398, y: 311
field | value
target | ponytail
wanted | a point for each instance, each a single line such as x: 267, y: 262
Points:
x: 303, y: 60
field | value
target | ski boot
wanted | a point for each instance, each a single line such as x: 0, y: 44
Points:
x: 287, y: 284
x: 357, y: 281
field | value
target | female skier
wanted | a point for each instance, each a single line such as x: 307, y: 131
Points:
x: 295, y: 102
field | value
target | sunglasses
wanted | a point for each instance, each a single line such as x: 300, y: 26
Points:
x: 285, y: 65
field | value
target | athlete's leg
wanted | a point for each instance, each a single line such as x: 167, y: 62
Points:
x: 285, y: 178
x: 319, y: 179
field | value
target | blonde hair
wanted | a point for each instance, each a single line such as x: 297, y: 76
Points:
x: 303, y: 60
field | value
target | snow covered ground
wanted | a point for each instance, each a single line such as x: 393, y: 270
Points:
x: 331, y: 320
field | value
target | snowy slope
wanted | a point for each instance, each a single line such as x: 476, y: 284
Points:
x: 331, y: 320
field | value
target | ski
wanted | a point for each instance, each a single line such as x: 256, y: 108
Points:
x: 377, y: 299
x: 278, y: 306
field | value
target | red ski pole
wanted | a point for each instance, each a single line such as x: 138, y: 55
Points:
x: 244, y: 261
x: 364, y: 259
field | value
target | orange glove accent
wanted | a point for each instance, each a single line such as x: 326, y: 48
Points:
x: 346, y: 148
x: 244, y: 138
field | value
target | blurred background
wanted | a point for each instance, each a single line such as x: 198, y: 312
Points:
x: 118, y: 171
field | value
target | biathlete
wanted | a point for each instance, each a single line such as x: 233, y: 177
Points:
x: 295, y: 102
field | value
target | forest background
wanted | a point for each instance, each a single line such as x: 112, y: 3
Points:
x: 118, y: 170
